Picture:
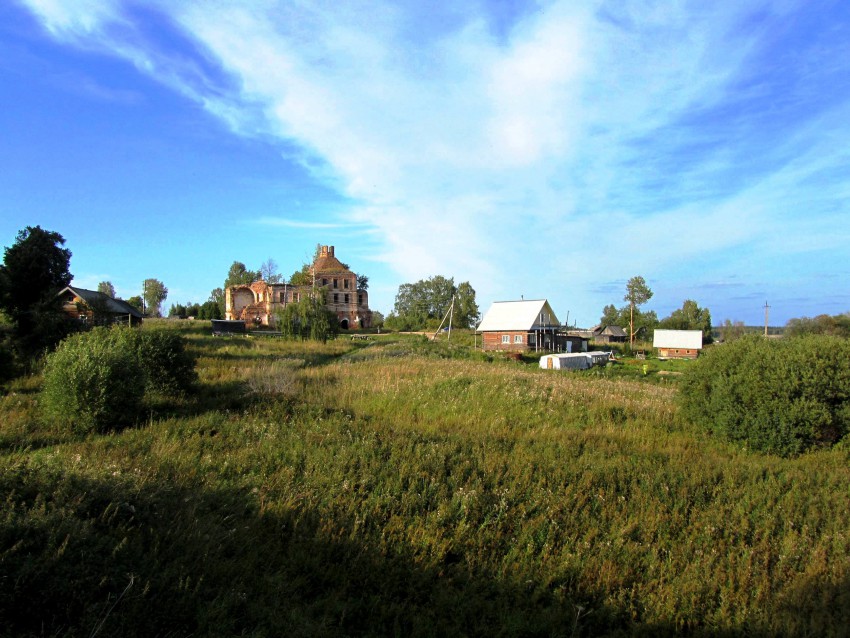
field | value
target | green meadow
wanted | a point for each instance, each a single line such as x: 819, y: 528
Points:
x: 402, y: 487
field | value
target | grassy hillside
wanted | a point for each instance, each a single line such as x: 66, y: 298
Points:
x: 400, y: 487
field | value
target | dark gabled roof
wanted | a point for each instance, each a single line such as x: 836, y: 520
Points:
x: 95, y: 298
x: 611, y: 331
x: 614, y: 331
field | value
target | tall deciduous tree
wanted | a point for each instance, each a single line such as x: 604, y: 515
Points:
x: 637, y: 294
x: 155, y: 293
x: 428, y: 300
x: 268, y: 272
x: 239, y: 275
x: 34, y: 269
x: 106, y: 288
x: 690, y: 317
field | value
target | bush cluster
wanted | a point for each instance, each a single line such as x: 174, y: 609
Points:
x: 97, y: 380
x: 777, y: 396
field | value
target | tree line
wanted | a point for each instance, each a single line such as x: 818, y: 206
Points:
x: 641, y: 324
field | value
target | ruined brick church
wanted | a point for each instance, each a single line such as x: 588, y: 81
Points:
x: 258, y: 303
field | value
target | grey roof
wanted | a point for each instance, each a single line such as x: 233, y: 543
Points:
x: 611, y: 331
x: 93, y: 297
x: 614, y: 331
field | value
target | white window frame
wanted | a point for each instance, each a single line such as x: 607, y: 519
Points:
x: 506, y: 339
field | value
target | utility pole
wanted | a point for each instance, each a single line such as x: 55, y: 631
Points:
x: 448, y: 314
x: 766, y: 312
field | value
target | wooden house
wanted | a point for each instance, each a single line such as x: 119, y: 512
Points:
x: 524, y: 326
x: 677, y: 344
x: 609, y: 334
x: 96, y: 308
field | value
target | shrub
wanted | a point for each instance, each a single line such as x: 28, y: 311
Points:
x: 167, y: 365
x: 93, y: 382
x: 781, y: 397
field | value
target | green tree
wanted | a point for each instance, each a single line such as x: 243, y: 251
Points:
x: 637, y: 294
x: 217, y: 297
x: 610, y: 316
x: 466, y: 313
x: 362, y: 282
x: 640, y: 323
x: 308, y: 318
x: 155, y: 293
x: 302, y: 277
x: 730, y: 331
x: 690, y: 317
x: 177, y: 310
x: 423, y: 304
x: 837, y: 325
x: 210, y: 310
x: 34, y: 269
x: 137, y: 302
x: 239, y: 275
x: 106, y: 288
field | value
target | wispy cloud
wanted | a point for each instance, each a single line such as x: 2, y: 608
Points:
x: 282, y: 222
x: 529, y: 153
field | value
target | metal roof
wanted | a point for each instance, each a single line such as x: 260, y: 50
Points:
x: 691, y: 339
x: 518, y: 315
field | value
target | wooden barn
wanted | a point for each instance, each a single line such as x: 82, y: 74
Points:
x: 524, y: 326
x: 677, y: 344
x: 95, y: 308
x: 609, y: 334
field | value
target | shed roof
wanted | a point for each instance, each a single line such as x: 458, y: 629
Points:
x: 518, y: 315
x: 691, y: 339
x: 93, y: 297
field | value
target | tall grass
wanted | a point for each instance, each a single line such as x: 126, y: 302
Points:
x: 391, y: 488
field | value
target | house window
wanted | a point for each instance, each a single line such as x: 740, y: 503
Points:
x: 345, y: 283
x: 336, y: 281
x: 336, y: 298
x: 324, y: 282
x: 346, y: 298
x: 282, y: 297
x: 517, y: 338
x: 506, y: 338
x: 359, y: 299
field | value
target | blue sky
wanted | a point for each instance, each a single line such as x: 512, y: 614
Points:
x: 536, y: 149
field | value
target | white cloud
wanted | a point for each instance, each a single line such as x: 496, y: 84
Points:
x: 558, y: 148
